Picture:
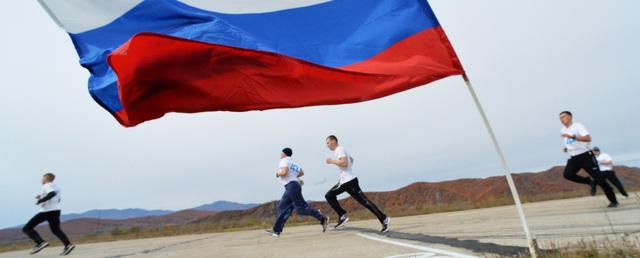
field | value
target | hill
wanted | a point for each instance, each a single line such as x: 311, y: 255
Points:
x: 114, y: 214
x: 225, y: 206
x: 425, y: 197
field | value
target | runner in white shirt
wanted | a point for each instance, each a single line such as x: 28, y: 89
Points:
x: 289, y: 174
x: 348, y: 182
x: 606, y: 168
x: 49, y: 201
x: 576, y: 140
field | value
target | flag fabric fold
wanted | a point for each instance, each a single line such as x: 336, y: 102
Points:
x: 148, y: 58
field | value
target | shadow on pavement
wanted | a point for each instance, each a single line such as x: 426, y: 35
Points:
x: 472, y: 245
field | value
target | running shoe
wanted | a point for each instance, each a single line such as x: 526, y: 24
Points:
x: 272, y: 233
x: 385, y: 225
x: 39, y: 247
x: 343, y: 219
x: 325, y: 223
x: 67, y: 249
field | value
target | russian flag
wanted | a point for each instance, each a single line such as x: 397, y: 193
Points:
x: 151, y: 57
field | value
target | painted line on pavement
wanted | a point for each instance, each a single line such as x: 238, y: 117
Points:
x: 418, y: 247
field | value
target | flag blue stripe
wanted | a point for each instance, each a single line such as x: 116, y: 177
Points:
x: 333, y: 34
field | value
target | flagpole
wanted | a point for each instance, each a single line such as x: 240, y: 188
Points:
x: 507, y: 172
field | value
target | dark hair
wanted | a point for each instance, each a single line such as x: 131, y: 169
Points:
x: 50, y: 176
x: 287, y: 151
x: 333, y: 138
x: 566, y: 112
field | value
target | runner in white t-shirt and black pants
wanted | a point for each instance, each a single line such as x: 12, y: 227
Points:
x: 348, y: 183
x: 49, y: 200
x: 606, y: 168
x: 576, y: 139
x: 289, y: 174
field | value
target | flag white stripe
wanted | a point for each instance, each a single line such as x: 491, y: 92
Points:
x: 76, y: 16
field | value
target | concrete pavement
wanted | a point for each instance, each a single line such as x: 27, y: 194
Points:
x: 465, y: 234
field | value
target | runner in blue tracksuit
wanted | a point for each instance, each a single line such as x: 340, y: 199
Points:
x: 289, y: 174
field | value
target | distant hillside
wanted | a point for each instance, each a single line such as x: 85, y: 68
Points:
x: 115, y: 214
x: 94, y: 226
x: 225, y: 206
x: 416, y: 198
x: 424, y: 197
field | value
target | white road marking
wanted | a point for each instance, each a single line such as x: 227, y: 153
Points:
x: 418, y: 247
x: 413, y: 255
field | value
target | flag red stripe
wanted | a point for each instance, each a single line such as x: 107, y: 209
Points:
x: 158, y: 74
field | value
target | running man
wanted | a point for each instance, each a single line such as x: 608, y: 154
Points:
x: 576, y: 140
x: 349, y: 183
x: 289, y: 174
x: 49, y: 201
x: 606, y: 167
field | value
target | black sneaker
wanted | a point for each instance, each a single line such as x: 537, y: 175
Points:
x: 67, y: 249
x: 39, y: 247
x: 272, y: 233
x: 343, y: 219
x: 593, y: 185
x: 612, y: 205
x: 385, y: 225
x: 325, y: 223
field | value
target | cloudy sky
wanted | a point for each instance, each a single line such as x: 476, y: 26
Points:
x: 528, y: 61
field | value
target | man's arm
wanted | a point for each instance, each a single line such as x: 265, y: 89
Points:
x: 282, y: 172
x: 340, y: 162
x: 301, y: 173
x: 583, y: 138
x: 46, y: 197
x: 606, y: 162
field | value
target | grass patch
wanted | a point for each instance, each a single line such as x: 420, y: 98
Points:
x: 620, y: 247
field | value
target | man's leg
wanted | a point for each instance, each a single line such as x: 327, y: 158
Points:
x: 571, y: 172
x: 53, y: 217
x: 353, y: 188
x: 590, y: 164
x: 29, y: 228
x: 285, y: 208
x: 332, y: 199
x: 611, y: 176
x: 301, y: 206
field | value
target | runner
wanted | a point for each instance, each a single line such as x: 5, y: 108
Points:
x: 49, y: 201
x: 348, y: 182
x: 606, y: 167
x: 576, y: 139
x: 289, y: 174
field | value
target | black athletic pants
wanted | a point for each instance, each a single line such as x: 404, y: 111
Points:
x: 354, y: 190
x: 610, y: 175
x: 588, y: 162
x: 53, y: 217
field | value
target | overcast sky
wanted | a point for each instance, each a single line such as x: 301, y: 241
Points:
x: 528, y: 61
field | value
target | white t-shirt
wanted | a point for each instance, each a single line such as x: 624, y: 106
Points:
x: 346, y: 174
x: 52, y: 204
x: 294, y: 170
x: 575, y: 147
x: 604, y: 157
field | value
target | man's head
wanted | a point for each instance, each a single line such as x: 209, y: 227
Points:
x: 596, y: 150
x: 48, y: 178
x: 566, y: 118
x: 286, y: 152
x: 332, y: 142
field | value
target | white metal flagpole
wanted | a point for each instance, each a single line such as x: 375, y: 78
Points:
x: 507, y: 172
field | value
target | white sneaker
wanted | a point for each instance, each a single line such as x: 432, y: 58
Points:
x: 39, y: 247
x: 343, y: 219
x: 385, y: 224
